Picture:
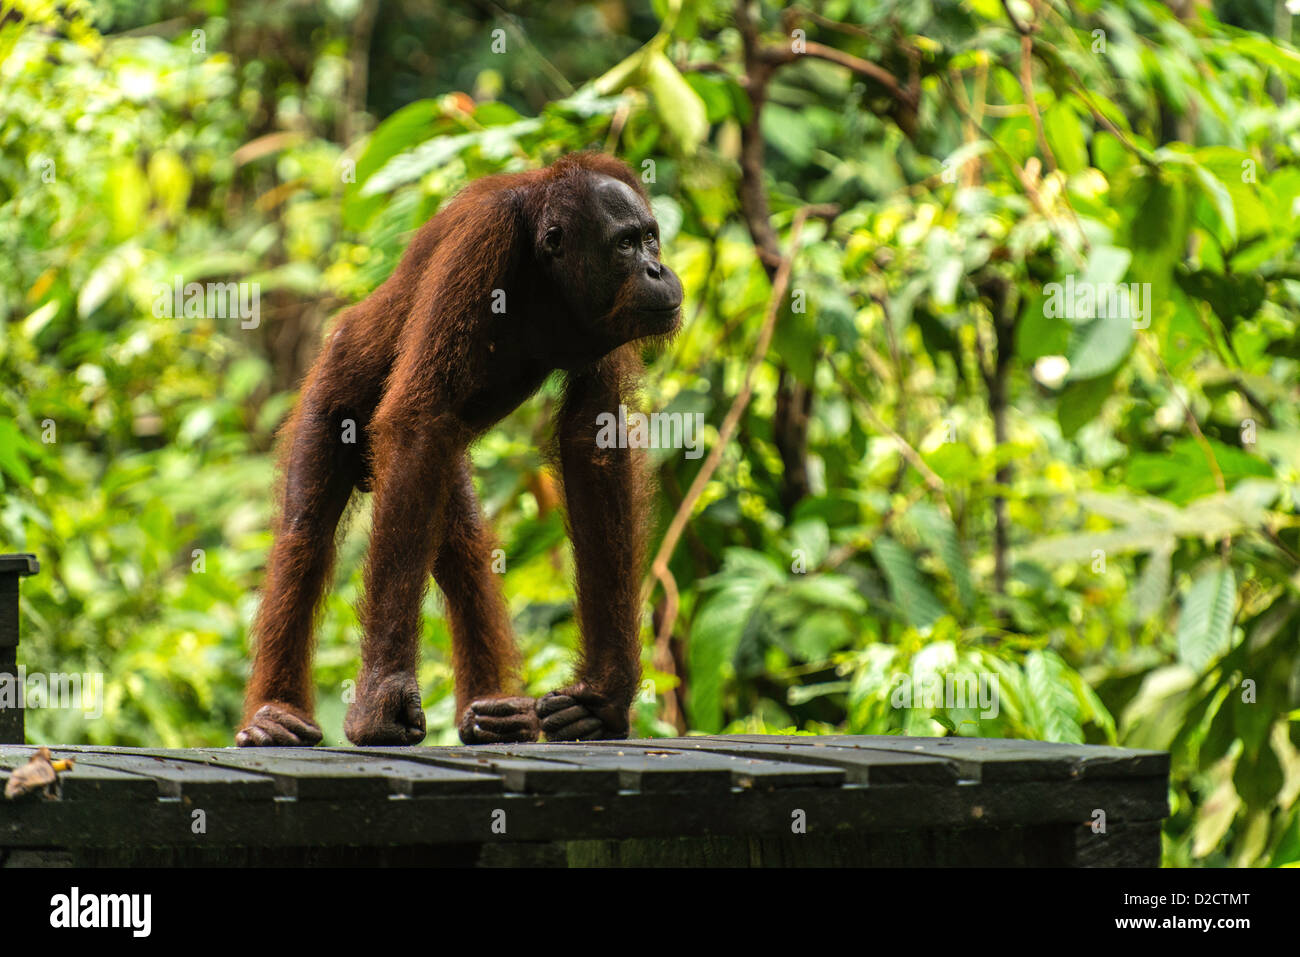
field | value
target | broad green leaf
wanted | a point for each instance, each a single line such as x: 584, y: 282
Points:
x: 1215, y: 818
x: 1152, y: 587
x: 1231, y: 297
x: 535, y: 537
x: 1220, y: 735
x: 937, y: 530
x: 1205, y: 624
x: 1083, y: 547
x: 907, y: 586
x: 1158, y: 217
x: 715, y: 635
x: 11, y: 459
x: 789, y: 133
x: 828, y: 591
x: 1098, y: 346
x: 1106, y: 265
x: 1218, y: 195
x: 1065, y: 136
x: 812, y: 537
x: 715, y: 92
x: 1258, y: 776
x: 1081, y: 401
x: 1051, y: 700
x: 1182, y: 473
x: 1038, y: 334
x: 680, y: 109
x: 413, y: 124
x: 819, y: 635
x: 495, y: 141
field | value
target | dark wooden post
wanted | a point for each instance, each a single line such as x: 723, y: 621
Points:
x: 12, y: 567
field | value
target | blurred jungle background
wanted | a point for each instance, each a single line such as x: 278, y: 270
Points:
x: 936, y: 472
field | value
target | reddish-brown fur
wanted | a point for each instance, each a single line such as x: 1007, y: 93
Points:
x: 422, y: 367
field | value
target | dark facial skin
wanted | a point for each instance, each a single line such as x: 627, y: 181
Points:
x: 607, y: 264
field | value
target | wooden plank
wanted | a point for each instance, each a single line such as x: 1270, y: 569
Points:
x: 8, y: 611
x: 83, y: 783
x: 660, y: 768
x: 1041, y: 846
x: 284, y: 781
x: 521, y: 775
x: 561, y: 792
x: 330, y: 773
x: 1133, y: 844
x: 19, y: 563
x: 859, y: 765
x: 622, y: 815
x: 318, y: 773
x: 195, y: 782
x: 12, y: 729
x: 1000, y: 759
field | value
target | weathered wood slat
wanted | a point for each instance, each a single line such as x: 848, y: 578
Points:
x: 1040, y: 846
x: 999, y: 759
x: 195, y: 781
x: 749, y: 799
x: 614, y: 816
x: 675, y: 769
x: 859, y: 765
x: 12, y: 567
x: 320, y: 773
x: 1135, y: 844
x: 296, y: 772
x: 522, y: 775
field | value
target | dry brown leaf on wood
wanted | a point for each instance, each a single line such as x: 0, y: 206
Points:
x: 40, y: 773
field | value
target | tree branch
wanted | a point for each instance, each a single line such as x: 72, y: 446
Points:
x: 659, y: 567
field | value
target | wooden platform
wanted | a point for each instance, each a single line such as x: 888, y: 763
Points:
x: 734, y: 801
